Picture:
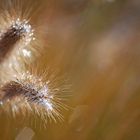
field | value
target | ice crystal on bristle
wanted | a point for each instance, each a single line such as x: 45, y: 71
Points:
x: 28, y: 92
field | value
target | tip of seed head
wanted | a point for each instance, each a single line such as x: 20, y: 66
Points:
x: 23, y: 29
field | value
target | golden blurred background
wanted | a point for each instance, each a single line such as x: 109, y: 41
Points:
x: 94, y: 45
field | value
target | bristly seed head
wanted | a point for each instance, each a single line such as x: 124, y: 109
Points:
x: 36, y: 95
x: 16, y: 31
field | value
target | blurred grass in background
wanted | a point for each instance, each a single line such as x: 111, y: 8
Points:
x: 95, y: 45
